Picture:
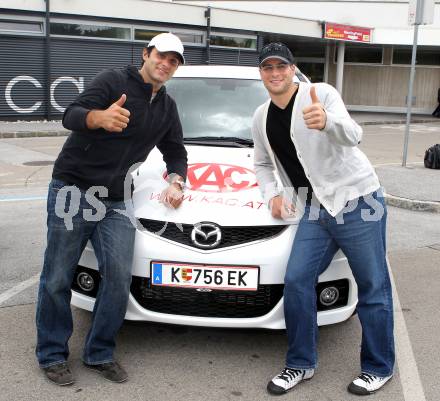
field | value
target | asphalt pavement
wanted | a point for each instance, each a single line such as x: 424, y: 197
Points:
x: 171, y: 363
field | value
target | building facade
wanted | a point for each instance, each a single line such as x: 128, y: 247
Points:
x: 51, y: 49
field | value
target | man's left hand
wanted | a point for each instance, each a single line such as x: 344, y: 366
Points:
x: 314, y: 115
x: 172, y: 196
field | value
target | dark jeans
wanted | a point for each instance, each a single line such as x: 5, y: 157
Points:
x: 362, y: 239
x: 112, y: 238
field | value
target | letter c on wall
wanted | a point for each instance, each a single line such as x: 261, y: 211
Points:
x: 8, y: 91
x: 79, y: 83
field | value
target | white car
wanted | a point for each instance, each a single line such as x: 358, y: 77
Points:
x: 219, y: 260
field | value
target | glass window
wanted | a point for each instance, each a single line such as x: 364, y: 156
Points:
x: 315, y: 71
x: 94, y: 31
x: 190, y: 37
x: 232, y: 41
x: 308, y: 49
x: 424, y: 55
x: 21, y: 26
x: 145, y: 34
x: 217, y: 107
x: 186, y: 37
x: 361, y: 54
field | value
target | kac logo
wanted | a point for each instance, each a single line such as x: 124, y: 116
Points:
x: 214, y: 177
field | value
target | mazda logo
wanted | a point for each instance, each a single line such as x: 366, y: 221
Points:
x: 206, y: 235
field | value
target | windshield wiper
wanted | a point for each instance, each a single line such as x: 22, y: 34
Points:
x: 221, y: 141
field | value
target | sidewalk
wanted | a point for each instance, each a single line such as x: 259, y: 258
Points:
x: 413, y: 187
x: 27, y: 129
x: 367, y: 118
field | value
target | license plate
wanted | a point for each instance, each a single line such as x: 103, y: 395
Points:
x: 216, y: 277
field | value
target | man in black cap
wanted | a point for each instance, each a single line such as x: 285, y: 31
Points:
x: 305, y: 134
x: 119, y: 118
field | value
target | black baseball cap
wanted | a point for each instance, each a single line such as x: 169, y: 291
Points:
x: 276, y: 50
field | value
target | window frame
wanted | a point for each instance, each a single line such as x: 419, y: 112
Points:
x: 235, y: 35
x: 360, y: 62
x: 91, y: 23
x: 160, y: 29
x: 409, y: 64
x: 23, y: 19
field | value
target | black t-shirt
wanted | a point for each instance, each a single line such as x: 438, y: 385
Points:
x: 278, y: 132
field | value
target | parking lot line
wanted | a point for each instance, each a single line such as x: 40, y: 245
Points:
x: 22, y: 198
x: 19, y: 288
x: 393, y: 164
x: 409, y: 374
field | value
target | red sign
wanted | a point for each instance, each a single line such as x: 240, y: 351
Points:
x: 347, y: 33
x: 214, y: 177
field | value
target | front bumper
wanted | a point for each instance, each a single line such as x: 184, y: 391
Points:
x: 221, y: 309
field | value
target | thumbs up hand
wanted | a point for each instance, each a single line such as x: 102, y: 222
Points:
x: 120, y: 102
x: 113, y: 119
x: 314, y: 115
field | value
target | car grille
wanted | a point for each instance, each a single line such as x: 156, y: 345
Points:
x: 187, y: 301
x: 220, y: 303
x: 231, y: 235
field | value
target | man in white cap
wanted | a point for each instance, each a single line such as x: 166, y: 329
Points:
x: 118, y: 119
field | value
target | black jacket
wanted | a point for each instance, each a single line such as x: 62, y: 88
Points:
x: 98, y: 157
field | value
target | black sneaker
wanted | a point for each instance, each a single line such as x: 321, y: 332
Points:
x: 288, y: 379
x: 59, y: 374
x: 111, y: 371
x: 366, y: 384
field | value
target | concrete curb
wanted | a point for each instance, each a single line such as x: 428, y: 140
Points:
x: 412, y: 204
x: 418, y: 121
x: 37, y: 134
x: 32, y: 134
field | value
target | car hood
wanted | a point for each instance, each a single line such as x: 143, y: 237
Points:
x: 221, y: 188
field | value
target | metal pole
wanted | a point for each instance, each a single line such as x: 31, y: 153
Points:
x: 340, y: 67
x: 411, y: 84
x: 208, y: 35
x: 47, y: 62
x: 327, y: 61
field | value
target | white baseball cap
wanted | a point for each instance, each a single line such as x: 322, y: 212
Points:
x: 168, y: 42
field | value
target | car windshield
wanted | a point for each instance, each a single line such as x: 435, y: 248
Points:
x: 217, y: 108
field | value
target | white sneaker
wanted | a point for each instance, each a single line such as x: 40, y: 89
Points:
x: 366, y: 384
x: 288, y: 379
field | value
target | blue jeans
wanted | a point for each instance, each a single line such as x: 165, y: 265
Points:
x: 112, y: 237
x: 362, y: 239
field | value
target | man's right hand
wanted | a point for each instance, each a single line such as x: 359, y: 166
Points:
x: 113, y: 119
x: 281, y: 208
